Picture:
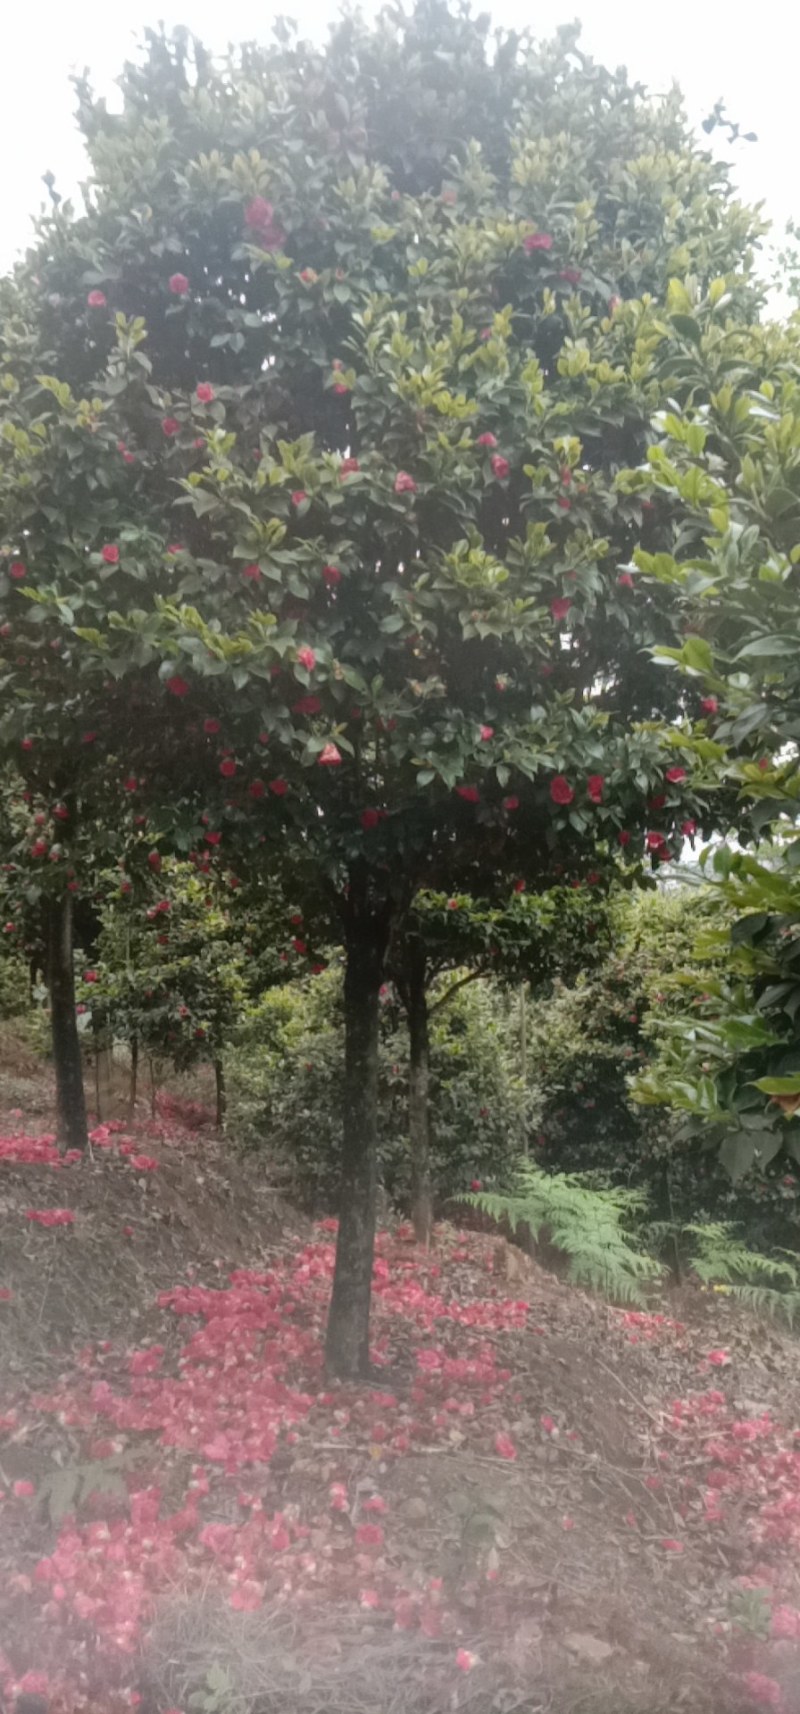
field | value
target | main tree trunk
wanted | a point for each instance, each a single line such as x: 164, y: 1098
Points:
x: 347, y: 1341
x: 70, y: 1098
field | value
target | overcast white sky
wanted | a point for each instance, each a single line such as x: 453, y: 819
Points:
x: 752, y: 63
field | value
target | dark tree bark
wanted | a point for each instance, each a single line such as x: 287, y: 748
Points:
x: 366, y: 939
x: 416, y: 1000
x: 222, y: 1094
x: 70, y: 1098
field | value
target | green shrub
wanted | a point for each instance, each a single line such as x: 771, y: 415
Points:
x: 285, y: 1090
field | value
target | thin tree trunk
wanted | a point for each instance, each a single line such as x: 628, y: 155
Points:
x: 419, y: 1097
x: 70, y: 1098
x: 134, y: 1073
x: 523, y: 1062
x: 222, y: 1093
x: 347, y: 1340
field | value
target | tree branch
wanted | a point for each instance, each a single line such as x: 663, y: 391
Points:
x: 474, y: 976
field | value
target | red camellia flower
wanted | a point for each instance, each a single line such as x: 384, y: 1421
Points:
x: 519, y: 886
x: 487, y: 732
x: 709, y: 705
x: 300, y: 947
x: 465, y: 1661
x: 307, y: 705
x: 564, y: 503
x: 251, y: 573
x: 259, y: 216
x: 299, y: 496
x: 177, y: 686
x: 500, y: 466
x: 675, y: 775
x: 511, y: 803
x: 476, y: 1184
x: 90, y: 975
x: 307, y: 658
x: 348, y: 467
x: 330, y: 757
x: 573, y: 276
x: 470, y: 794
x: 170, y: 426
x: 17, y: 570
x: 309, y: 276
x: 487, y: 439
x: 204, y: 392
x: 560, y: 790
x: 178, y: 285
x: 227, y: 767
x: 594, y: 787
x: 625, y: 580
x: 278, y: 787
x: 331, y: 575
x: 654, y: 840
x: 257, y: 788
x: 504, y: 1446
x: 370, y: 819
x: 130, y: 784
x: 154, y: 859
x: 537, y: 241
x: 623, y: 837
x: 110, y: 553
x: 211, y: 726
x: 560, y: 607
x: 689, y: 829
x: 97, y: 299
x: 369, y: 1535
x: 404, y: 484
x: 453, y: 905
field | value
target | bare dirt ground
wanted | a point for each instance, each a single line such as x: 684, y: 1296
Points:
x: 543, y: 1503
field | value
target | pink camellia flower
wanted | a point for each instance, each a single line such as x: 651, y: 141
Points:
x: 765, y: 1690
x: 560, y: 790
x: 675, y: 775
x: 170, y: 426
x: 487, y: 439
x: 204, y: 392
x: 178, y: 285
x: 23, y: 1490
x: 369, y: 1535
x: 560, y: 607
x: 709, y: 705
x: 404, y: 484
x: 504, y: 1446
x: 510, y: 803
x: 227, y: 767
x: 625, y: 580
x: 330, y: 757
x: 654, y: 840
x: 90, y: 975
x: 671, y: 1546
x: 279, y: 788
x: 470, y: 794
x: 251, y: 573
x: 309, y: 276
x: 17, y: 570
x: 465, y: 1660
x: 307, y: 658
x: 110, y: 553
x: 500, y: 466
x: 548, y: 1424
x: 487, y: 732
x: 537, y: 241
x: 718, y: 1359
x: 370, y: 819
x: 50, y: 1216
x: 177, y: 686
x: 594, y: 787
x: 623, y: 837
x: 299, y: 497
x: 348, y: 467
x: 97, y: 299
x: 689, y: 828
x: 331, y: 575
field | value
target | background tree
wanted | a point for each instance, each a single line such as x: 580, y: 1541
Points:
x: 359, y: 313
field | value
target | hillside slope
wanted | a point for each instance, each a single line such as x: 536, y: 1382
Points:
x: 542, y: 1502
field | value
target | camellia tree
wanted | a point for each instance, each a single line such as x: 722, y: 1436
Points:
x: 316, y: 522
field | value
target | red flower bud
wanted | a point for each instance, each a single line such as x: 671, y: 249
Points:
x: 178, y: 285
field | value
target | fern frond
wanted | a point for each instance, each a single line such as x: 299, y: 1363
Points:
x: 586, y: 1223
